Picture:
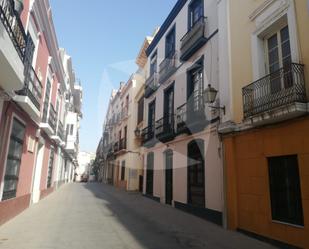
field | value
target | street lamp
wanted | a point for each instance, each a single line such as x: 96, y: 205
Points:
x: 209, y: 97
x: 137, y: 132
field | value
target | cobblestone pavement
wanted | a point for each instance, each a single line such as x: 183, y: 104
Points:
x: 93, y: 216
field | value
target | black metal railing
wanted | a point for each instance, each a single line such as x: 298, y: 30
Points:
x: 165, y: 128
x: 151, y: 84
x: 148, y: 133
x: 33, y: 88
x: 52, y: 117
x: 13, y: 26
x: 193, y: 39
x: 167, y: 68
x: 280, y: 88
x: 191, y: 114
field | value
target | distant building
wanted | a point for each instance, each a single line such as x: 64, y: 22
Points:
x: 84, y: 159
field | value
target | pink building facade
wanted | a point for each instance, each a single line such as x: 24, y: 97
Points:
x: 33, y: 156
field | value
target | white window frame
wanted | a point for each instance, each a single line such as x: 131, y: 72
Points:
x: 266, y: 19
x: 14, y: 115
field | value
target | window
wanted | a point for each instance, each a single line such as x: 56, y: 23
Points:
x: 195, y: 88
x: 151, y: 115
x: 71, y: 130
x: 169, y: 106
x: 170, y: 44
x: 13, y: 160
x: 196, y: 12
x: 50, y: 167
x: 46, y: 101
x: 153, y: 64
x: 123, y: 170
x: 140, y: 110
x: 278, y: 53
x: 285, y: 194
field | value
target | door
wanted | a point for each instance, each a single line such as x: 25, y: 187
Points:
x: 196, y: 171
x: 279, y: 56
x: 35, y: 197
x: 168, y: 177
x: 151, y: 118
x: 195, y: 90
x: 168, y: 109
x: 149, y: 174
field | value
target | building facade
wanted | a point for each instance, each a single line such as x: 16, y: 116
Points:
x: 32, y: 108
x: 183, y: 160
x: 266, y: 137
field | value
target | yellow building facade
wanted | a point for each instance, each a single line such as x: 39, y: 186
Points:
x: 266, y: 138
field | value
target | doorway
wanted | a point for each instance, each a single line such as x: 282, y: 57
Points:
x: 168, y: 177
x: 37, y: 173
x: 196, y: 173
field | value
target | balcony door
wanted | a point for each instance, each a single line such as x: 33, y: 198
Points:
x: 170, y: 44
x: 196, y: 12
x: 168, y: 120
x: 195, y: 91
x: 151, y: 116
x: 278, y: 53
x: 196, y: 173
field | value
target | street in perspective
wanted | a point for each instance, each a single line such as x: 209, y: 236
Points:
x: 154, y: 124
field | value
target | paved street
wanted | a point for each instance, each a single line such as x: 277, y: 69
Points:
x: 98, y: 216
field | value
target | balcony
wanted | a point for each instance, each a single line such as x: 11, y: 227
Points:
x: 190, y: 117
x: 59, y: 135
x: 110, y: 152
x: 278, y: 96
x: 48, y: 123
x: 116, y: 147
x: 167, y: 68
x: 165, y: 129
x: 30, y: 96
x: 13, y: 42
x: 148, y: 135
x: 193, y: 40
x: 151, y: 85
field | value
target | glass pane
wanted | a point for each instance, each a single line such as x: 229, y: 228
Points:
x: 12, y: 168
x: 15, y: 149
x: 18, y: 129
x: 10, y: 185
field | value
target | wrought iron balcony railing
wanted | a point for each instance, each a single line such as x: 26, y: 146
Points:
x: 165, y: 128
x: 13, y: 26
x: 283, y: 87
x: 148, y: 134
x: 151, y: 84
x: 190, y: 117
x: 167, y: 68
x: 33, y: 88
x: 52, y: 117
x: 194, y: 39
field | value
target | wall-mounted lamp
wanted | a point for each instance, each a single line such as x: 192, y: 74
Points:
x: 137, y: 132
x: 209, y: 97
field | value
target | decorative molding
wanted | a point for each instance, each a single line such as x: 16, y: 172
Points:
x: 260, y: 9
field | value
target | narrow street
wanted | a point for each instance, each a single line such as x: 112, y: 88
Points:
x: 98, y: 216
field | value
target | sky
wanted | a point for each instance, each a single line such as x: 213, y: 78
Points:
x: 104, y: 37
